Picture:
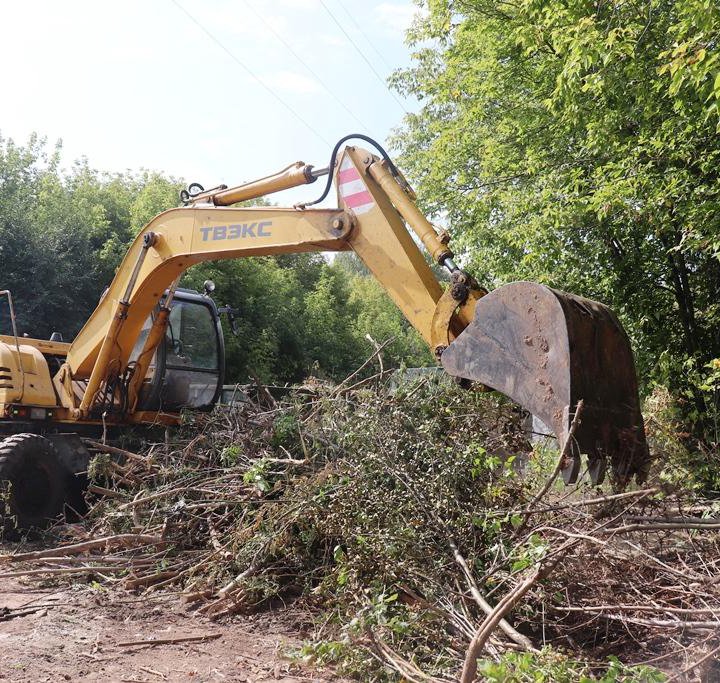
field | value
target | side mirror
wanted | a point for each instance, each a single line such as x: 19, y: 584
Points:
x: 209, y: 287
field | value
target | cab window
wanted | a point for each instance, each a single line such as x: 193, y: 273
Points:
x: 191, y: 338
x: 192, y: 363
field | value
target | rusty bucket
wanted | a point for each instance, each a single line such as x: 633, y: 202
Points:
x: 546, y: 350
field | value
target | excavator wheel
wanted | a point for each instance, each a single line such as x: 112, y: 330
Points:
x: 32, y: 482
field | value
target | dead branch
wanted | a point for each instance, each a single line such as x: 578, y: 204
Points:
x: 485, y: 606
x: 373, y: 355
x: 663, y: 623
x: 561, y: 463
x: 658, y: 526
x: 407, y: 669
x: 57, y: 571
x: 113, y: 450
x: 592, y: 501
x: 109, y: 493
x: 171, y: 641
x: 485, y: 629
x: 121, y: 540
x: 641, y: 608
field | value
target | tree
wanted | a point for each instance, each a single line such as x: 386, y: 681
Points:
x: 270, y: 300
x: 62, y: 234
x: 331, y: 345
x: 575, y: 143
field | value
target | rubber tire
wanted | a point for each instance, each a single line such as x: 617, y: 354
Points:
x: 30, y: 464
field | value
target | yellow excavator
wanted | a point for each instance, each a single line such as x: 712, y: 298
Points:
x: 151, y: 349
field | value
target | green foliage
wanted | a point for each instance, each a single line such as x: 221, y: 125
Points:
x: 328, y: 338
x: 378, y: 317
x: 257, y: 476
x: 230, y: 455
x: 679, y: 462
x: 62, y: 233
x: 575, y: 144
x: 550, y: 666
x: 100, y: 467
x: 285, y: 431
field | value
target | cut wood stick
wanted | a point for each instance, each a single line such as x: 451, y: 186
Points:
x: 228, y: 588
x: 108, y: 493
x: 135, y: 582
x: 122, y: 540
x: 114, y: 450
x: 199, y: 595
x: 561, y: 463
x: 523, y: 641
x: 62, y: 570
x: 170, y: 641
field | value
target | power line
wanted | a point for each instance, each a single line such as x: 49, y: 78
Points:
x: 251, y: 73
x: 306, y: 65
x: 364, y: 35
x: 362, y: 54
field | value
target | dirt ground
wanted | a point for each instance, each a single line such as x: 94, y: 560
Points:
x: 76, y: 633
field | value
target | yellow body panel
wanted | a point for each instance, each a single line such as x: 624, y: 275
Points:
x: 42, y: 345
x: 386, y: 247
x: 26, y: 379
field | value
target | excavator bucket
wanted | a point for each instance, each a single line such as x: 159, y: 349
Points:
x: 547, y: 350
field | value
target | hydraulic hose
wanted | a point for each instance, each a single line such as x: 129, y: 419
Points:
x: 333, y: 157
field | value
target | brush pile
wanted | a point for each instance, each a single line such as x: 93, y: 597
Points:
x: 411, y: 525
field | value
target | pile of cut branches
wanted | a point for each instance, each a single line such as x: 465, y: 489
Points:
x: 407, y: 523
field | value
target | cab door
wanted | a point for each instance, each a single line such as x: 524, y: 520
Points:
x: 188, y: 369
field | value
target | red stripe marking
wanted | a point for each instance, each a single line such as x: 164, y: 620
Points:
x: 358, y: 199
x: 347, y: 174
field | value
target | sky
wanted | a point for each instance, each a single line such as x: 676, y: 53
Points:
x: 206, y: 90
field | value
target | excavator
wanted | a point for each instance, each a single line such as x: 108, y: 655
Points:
x: 152, y: 349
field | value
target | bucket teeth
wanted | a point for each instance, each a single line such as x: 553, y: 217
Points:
x: 547, y: 350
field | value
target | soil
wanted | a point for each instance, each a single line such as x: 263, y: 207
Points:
x: 74, y: 632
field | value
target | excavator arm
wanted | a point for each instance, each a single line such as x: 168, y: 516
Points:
x: 545, y: 349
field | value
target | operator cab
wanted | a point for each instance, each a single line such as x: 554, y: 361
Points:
x: 188, y: 368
